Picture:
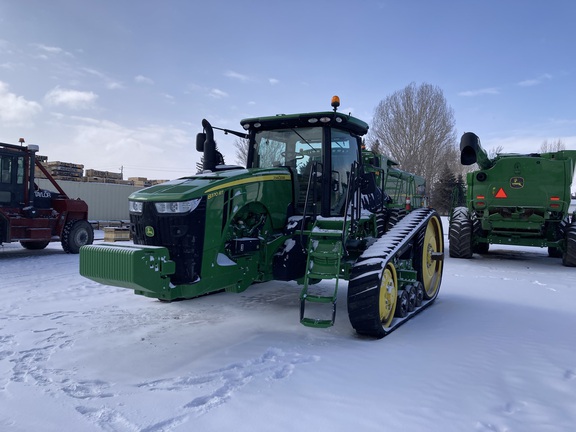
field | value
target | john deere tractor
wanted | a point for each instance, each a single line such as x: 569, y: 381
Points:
x: 515, y: 199
x: 311, y: 206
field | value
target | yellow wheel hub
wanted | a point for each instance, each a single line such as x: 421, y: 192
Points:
x: 432, y: 269
x: 388, y: 294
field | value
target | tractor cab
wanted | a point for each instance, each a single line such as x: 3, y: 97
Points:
x: 319, y: 149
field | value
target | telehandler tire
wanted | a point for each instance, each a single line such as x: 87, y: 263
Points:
x: 35, y: 245
x: 76, y: 233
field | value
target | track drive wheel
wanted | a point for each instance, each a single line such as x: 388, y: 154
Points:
x: 429, y: 257
x: 35, y: 244
x: 372, y: 298
x: 76, y: 233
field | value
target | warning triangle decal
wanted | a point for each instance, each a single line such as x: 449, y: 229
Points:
x: 501, y: 194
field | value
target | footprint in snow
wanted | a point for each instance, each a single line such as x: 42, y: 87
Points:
x: 218, y: 386
x: 88, y: 389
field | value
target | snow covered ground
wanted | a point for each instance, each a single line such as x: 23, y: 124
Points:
x: 496, y: 352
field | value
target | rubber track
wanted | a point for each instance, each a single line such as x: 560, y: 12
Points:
x: 363, y: 287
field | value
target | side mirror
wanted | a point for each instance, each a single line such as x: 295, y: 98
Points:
x: 200, y: 140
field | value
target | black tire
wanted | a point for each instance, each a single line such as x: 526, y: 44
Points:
x: 76, y: 233
x: 481, y: 248
x: 554, y: 252
x: 569, y: 255
x: 372, y: 296
x: 460, y: 237
x: 411, y: 291
x: 380, y: 221
x: 395, y: 215
x: 418, y: 294
x: 35, y: 244
x: 402, y: 304
x: 460, y: 213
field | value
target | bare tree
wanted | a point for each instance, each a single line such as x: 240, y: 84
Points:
x: 416, y: 128
x: 552, y: 147
x: 493, y: 152
x: 241, y: 145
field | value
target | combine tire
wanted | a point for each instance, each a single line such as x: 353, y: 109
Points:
x: 569, y: 256
x: 76, y: 233
x: 375, y: 292
x: 460, y: 213
x: 380, y: 219
x: 554, y: 252
x: 481, y: 248
x: 34, y: 245
x: 428, y: 259
x: 394, y: 216
x: 460, y: 235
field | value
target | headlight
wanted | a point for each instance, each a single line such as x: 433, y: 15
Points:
x: 135, y: 206
x: 177, y: 207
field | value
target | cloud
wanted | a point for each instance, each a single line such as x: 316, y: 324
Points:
x: 46, y: 49
x: 15, y: 110
x: 141, y: 79
x: 236, y: 75
x: 114, y: 85
x: 273, y: 81
x: 218, y: 94
x: 73, y: 99
x: 110, y: 83
x: 5, y: 47
x: 534, y: 81
x: 470, y: 93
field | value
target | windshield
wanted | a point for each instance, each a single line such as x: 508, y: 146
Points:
x: 288, y: 147
x: 300, y: 149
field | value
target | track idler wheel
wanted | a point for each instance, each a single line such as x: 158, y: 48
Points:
x: 388, y: 295
x: 372, y: 298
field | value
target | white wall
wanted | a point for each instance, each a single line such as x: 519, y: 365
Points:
x: 105, y: 201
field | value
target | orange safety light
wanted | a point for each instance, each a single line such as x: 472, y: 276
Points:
x: 501, y: 194
x: 335, y: 102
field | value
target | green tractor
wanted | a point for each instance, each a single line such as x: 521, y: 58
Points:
x: 311, y: 205
x: 515, y: 199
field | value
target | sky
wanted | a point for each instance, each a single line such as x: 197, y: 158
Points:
x: 123, y: 85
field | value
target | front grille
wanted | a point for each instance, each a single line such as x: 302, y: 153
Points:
x: 182, y: 235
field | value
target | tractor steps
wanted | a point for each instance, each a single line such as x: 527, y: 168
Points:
x: 325, y: 251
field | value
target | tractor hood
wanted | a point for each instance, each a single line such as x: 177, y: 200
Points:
x: 192, y: 187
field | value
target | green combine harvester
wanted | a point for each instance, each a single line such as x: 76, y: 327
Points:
x: 310, y: 205
x: 515, y: 199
